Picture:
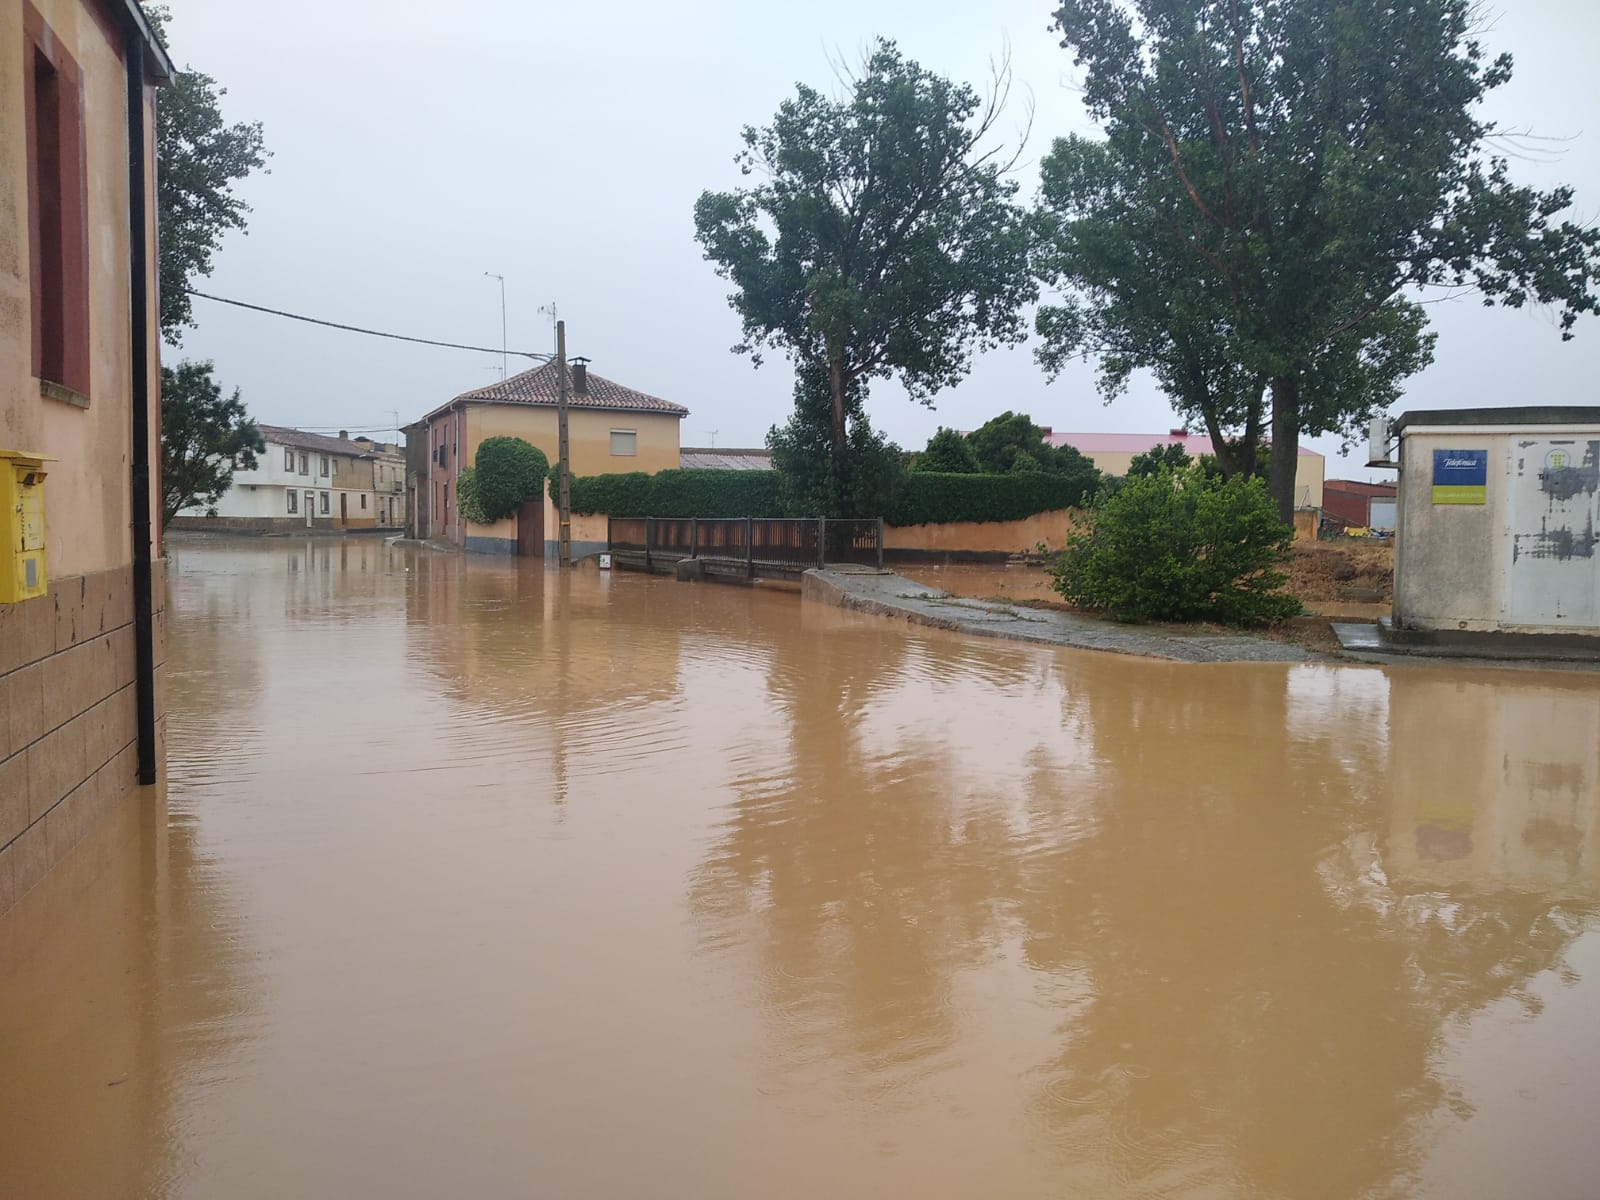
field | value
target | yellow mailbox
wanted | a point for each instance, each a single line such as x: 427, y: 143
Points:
x: 22, y: 570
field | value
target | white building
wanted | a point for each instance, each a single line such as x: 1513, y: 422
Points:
x: 301, y: 480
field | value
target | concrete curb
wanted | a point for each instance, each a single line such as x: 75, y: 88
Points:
x: 885, y: 594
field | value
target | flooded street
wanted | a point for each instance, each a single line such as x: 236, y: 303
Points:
x: 479, y: 881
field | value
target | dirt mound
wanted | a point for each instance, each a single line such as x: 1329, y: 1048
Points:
x: 1349, y: 569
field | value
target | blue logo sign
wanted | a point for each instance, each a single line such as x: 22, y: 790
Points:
x: 1460, y: 476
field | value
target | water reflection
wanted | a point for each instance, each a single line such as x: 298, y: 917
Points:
x: 1186, y: 883
x: 485, y: 880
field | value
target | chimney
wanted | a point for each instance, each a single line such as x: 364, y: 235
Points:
x: 344, y: 435
x: 580, y: 377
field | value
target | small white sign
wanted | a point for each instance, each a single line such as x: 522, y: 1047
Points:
x: 605, y: 562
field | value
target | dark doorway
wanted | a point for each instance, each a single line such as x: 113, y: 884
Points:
x: 344, y: 508
x: 530, y: 528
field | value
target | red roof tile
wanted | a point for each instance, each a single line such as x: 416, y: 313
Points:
x: 538, y: 386
x: 283, y: 436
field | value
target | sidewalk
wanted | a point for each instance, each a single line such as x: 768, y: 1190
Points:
x: 890, y: 595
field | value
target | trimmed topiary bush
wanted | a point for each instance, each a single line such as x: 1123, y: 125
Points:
x: 506, y: 471
x: 1181, y: 547
x: 467, y: 501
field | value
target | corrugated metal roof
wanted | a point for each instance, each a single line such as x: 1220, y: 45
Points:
x: 716, y: 459
x: 1360, y: 487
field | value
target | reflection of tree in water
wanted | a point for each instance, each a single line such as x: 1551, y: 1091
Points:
x: 1247, y: 1003
x: 870, y: 886
x: 1264, y: 1009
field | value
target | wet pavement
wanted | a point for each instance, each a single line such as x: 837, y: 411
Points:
x: 474, y: 880
x: 887, y: 594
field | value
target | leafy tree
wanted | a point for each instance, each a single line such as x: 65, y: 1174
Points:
x: 949, y: 453
x: 205, y: 437
x: 1012, y: 443
x: 506, y: 472
x: 1276, y: 180
x: 883, y: 241
x: 1182, y: 546
x: 819, y: 479
x: 200, y: 158
x: 1170, y: 458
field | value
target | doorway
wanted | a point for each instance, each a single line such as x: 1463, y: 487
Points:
x: 344, y: 508
x: 311, y: 499
x: 530, y: 528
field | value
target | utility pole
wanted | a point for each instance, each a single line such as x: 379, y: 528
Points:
x: 565, y: 516
x: 505, y: 369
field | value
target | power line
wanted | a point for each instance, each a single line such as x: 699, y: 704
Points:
x: 399, y: 337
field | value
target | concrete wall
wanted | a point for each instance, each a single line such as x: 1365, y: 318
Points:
x: 66, y: 658
x: 1459, y: 567
x: 67, y: 753
x: 980, y: 538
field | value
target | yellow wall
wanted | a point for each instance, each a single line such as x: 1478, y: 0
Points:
x: 87, y: 507
x: 1308, y: 473
x: 588, y: 436
x: 984, y: 537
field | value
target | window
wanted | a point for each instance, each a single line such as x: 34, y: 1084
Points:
x: 305, y: 463
x: 324, y: 503
x: 363, y: 499
x: 624, y: 443
x: 294, y: 501
x: 288, y: 461
x: 322, y: 464
x: 336, y: 466
x: 58, y: 208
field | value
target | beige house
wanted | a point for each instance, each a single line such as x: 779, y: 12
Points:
x: 388, y: 482
x: 80, y: 585
x: 1112, y: 453
x: 611, y: 428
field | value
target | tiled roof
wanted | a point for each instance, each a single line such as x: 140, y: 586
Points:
x: 1138, y: 443
x: 539, y: 385
x: 717, y: 459
x: 284, y: 436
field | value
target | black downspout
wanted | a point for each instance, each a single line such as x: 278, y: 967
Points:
x: 144, y: 646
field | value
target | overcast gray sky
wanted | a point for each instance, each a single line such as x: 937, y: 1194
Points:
x: 418, y: 145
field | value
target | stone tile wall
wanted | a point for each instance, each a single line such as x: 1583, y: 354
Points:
x: 67, y: 718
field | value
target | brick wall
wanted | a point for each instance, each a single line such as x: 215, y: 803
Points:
x: 67, y: 718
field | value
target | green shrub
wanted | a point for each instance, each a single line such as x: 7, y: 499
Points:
x: 948, y: 453
x: 1171, y: 457
x: 506, y: 472
x: 676, y: 493
x: 924, y: 496
x: 467, y: 500
x: 1180, y: 547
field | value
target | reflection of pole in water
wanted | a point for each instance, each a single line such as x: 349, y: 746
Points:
x: 563, y: 630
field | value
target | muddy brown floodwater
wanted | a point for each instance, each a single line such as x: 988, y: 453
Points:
x: 477, y: 881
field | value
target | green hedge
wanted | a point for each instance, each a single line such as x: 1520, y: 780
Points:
x: 925, y: 496
x: 919, y: 497
x: 676, y: 493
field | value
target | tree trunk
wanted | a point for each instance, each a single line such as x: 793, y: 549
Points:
x: 836, y: 387
x: 1285, y: 444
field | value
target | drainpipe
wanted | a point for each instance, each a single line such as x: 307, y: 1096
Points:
x: 144, y: 651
